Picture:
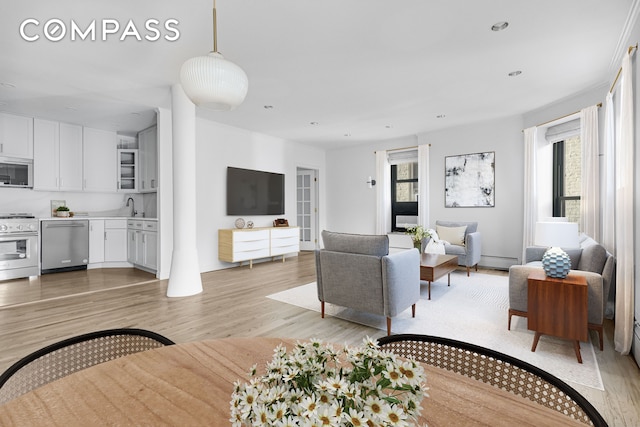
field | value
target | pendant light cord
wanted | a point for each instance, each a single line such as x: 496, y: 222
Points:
x: 215, y: 28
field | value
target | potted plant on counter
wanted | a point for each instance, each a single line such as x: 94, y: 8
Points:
x: 62, y: 211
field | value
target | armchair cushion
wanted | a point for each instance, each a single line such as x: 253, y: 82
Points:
x: 453, y: 235
x: 593, y: 259
x: 534, y: 254
x: 356, y: 243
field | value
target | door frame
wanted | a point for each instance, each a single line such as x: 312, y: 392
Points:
x: 314, y: 243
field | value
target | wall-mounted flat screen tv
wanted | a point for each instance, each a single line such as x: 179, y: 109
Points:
x: 252, y: 192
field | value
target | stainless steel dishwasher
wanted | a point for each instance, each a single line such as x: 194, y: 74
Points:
x: 65, y: 245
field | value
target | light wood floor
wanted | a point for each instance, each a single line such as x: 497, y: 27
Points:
x: 56, y: 306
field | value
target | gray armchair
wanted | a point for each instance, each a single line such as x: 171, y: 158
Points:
x: 590, y: 260
x: 468, y: 253
x: 357, y: 271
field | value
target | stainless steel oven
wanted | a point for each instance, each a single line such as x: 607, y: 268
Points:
x: 18, y: 246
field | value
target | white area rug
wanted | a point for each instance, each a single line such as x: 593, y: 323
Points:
x: 473, y: 309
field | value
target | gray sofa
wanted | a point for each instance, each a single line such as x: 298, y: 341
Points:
x: 469, y: 253
x: 590, y: 260
x: 357, y: 271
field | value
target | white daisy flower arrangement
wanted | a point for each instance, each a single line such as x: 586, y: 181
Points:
x: 315, y: 385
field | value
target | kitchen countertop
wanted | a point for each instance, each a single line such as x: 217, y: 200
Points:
x: 95, y: 217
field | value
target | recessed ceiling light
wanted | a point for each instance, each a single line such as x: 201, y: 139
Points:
x: 499, y: 26
x: 268, y: 107
x: 515, y: 73
x: 8, y: 85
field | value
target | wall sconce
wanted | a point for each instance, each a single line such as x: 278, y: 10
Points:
x: 371, y: 182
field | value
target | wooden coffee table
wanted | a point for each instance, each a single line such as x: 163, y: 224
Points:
x: 434, y: 266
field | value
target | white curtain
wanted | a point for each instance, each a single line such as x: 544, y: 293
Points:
x: 623, y: 335
x: 530, y: 189
x: 609, y: 178
x: 383, y: 193
x: 423, y: 184
x: 590, y: 191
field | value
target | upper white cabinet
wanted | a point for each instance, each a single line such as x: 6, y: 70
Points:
x: 57, y: 163
x: 16, y: 136
x: 128, y: 170
x: 100, y: 160
x: 148, y: 155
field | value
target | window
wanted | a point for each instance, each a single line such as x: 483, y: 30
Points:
x: 567, y: 178
x: 404, y: 195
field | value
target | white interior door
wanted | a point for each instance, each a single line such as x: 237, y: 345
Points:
x: 307, y: 208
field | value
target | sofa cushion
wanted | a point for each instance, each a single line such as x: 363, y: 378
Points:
x: 472, y: 226
x: 377, y: 245
x: 455, y: 250
x: 575, y: 255
x: 593, y: 258
x: 453, y: 235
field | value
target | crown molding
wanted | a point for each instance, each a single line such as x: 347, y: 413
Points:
x: 627, y: 29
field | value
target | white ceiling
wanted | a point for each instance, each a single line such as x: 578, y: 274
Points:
x: 369, y: 69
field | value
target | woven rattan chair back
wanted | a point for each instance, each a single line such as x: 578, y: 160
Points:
x: 497, y: 369
x: 74, y: 354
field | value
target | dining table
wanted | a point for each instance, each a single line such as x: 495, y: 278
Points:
x: 190, y: 384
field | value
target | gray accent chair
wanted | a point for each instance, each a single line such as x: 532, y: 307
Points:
x: 357, y: 271
x: 469, y: 254
x: 590, y: 260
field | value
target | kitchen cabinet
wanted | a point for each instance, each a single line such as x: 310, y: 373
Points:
x: 142, y: 244
x: 107, y: 240
x: 57, y: 156
x: 16, y: 136
x: 128, y: 170
x: 148, y: 151
x: 96, y: 241
x: 99, y: 160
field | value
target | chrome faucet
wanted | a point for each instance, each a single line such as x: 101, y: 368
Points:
x: 133, y: 206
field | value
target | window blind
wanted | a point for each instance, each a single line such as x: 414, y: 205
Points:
x: 402, y: 156
x: 563, y: 131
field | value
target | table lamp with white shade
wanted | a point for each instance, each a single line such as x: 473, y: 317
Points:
x: 556, y: 262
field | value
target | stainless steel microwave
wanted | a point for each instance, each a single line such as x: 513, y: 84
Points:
x: 16, y: 172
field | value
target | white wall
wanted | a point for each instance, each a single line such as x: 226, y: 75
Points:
x: 219, y: 146
x: 351, y: 204
x: 500, y: 226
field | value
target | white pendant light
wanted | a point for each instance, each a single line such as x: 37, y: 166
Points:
x: 211, y: 81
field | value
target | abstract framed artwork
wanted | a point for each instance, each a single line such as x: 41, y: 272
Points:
x: 469, y: 180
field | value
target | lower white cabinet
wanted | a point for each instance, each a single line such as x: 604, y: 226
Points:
x: 107, y: 240
x: 247, y: 244
x: 142, y: 243
x: 96, y: 241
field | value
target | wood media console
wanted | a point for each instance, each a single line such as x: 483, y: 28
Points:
x: 247, y: 244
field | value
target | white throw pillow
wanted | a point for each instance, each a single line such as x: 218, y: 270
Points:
x: 453, y: 235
